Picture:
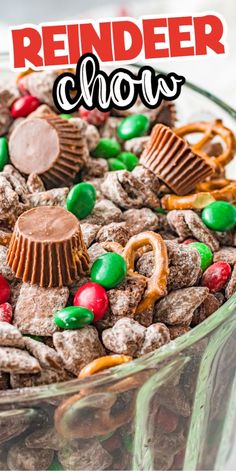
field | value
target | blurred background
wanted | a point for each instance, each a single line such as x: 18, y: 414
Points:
x: 215, y: 74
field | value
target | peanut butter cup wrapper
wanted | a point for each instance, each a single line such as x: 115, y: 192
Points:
x: 171, y: 158
x: 47, y: 248
x: 50, y: 147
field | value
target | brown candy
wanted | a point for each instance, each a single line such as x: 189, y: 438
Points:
x: 171, y: 158
x: 48, y: 146
x: 47, y: 247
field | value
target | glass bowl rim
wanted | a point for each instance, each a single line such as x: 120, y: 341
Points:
x: 43, y: 392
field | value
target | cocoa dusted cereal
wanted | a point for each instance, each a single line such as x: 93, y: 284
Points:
x: 114, y: 242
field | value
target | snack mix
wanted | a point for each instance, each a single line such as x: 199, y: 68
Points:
x: 117, y: 235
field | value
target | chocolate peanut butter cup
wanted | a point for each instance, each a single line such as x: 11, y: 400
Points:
x: 49, y: 146
x: 47, y: 247
x: 171, y: 158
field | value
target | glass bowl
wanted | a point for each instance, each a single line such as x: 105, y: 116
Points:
x: 173, y: 409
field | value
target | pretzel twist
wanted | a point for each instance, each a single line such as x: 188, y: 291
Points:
x: 71, y: 422
x: 103, y: 363
x: 199, y: 200
x: 156, y: 284
x: 102, y: 419
x: 210, y: 130
x: 213, y: 184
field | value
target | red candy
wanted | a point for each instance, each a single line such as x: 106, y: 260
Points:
x: 23, y: 106
x: 189, y: 241
x: 167, y: 420
x: 94, y: 297
x: 95, y: 116
x: 4, y: 290
x: 216, y: 276
x: 112, y: 443
x: 6, y: 312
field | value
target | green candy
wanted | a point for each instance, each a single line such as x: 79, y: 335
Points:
x: 205, y: 254
x: 3, y: 152
x: 55, y: 465
x: 127, y: 442
x: 129, y: 159
x: 109, y: 270
x: 73, y: 317
x: 64, y: 116
x: 106, y: 148
x: 133, y: 126
x: 81, y: 199
x: 116, y: 164
x: 219, y: 216
x: 160, y: 210
x: 36, y: 338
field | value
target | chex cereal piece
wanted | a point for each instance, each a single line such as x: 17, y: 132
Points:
x: 10, y: 205
x: 85, y: 455
x: 187, y: 224
x: 5, y: 270
x: 125, y: 298
x: 17, y: 181
x: 129, y: 337
x: 95, y: 251
x: 151, y: 184
x: 123, y: 189
x: 89, y: 232
x: 4, y: 382
x: 104, y: 212
x: 184, y: 265
x: 118, y: 232
x: 231, y: 287
x: 139, y: 220
x: 5, y: 237
x: 96, y: 167
x: 227, y: 254
x: 208, y: 306
x: 136, y: 145
x: 177, y: 330
x: 225, y: 238
x: 21, y: 457
x: 174, y: 442
x: 8, y: 94
x: 45, y: 377
x: 53, y: 197
x: 125, y: 337
x: 77, y: 348
x: 10, y: 336
x: 175, y: 399
x: 48, y: 358
x: 156, y: 335
x: 18, y: 361
x: 45, y: 438
x: 177, y: 307
x: 36, y: 307
x: 5, y: 121
x: 35, y: 184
